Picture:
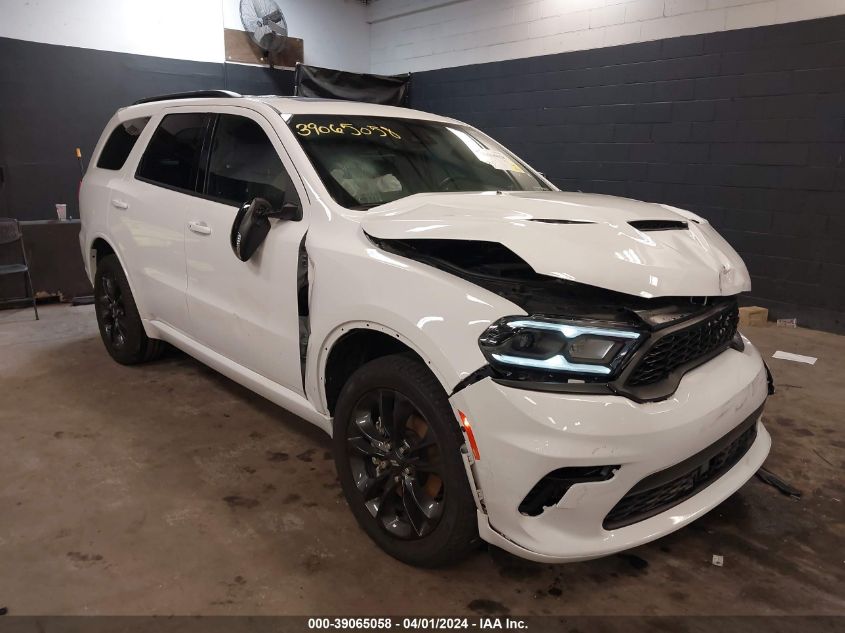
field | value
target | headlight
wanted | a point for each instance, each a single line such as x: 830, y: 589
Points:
x: 571, y: 348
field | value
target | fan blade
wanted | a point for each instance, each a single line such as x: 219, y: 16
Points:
x: 264, y: 21
x: 267, y: 39
x: 278, y: 29
x: 261, y: 34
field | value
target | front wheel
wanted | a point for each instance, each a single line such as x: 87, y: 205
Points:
x: 397, y: 450
x: 117, y: 316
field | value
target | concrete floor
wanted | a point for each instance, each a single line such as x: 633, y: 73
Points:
x: 168, y: 489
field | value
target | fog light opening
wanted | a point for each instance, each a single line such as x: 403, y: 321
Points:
x: 549, y: 491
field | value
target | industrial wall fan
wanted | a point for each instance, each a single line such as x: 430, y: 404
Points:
x: 266, y: 25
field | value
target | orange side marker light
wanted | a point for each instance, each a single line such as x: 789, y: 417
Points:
x: 468, y: 430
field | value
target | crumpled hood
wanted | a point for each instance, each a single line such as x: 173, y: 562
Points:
x: 580, y: 237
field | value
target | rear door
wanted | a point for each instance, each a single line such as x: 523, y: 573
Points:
x: 149, y: 211
x: 104, y: 175
x: 247, y: 311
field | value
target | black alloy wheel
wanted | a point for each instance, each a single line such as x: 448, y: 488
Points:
x: 398, y: 450
x: 112, y: 311
x: 120, y: 323
x: 395, y: 462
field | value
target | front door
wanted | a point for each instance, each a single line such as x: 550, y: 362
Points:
x: 246, y: 311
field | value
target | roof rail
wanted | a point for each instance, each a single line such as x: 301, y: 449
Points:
x: 194, y: 94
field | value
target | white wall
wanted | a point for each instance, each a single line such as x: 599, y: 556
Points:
x: 391, y: 36
x: 181, y: 29
x: 413, y: 35
x: 336, y: 32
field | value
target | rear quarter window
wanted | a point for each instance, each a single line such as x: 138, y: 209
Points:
x: 120, y: 143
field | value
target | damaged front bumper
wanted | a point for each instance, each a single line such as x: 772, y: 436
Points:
x: 671, y: 461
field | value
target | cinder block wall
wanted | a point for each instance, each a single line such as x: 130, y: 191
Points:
x: 745, y: 127
x: 54, y: 99
x: 415, y: 35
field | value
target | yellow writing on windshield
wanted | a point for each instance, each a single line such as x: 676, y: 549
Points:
x: 307, y: 129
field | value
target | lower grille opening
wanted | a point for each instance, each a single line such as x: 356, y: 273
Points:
x: 551, y: 488
x: 665, y: 489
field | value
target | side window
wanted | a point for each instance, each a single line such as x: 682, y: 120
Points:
x: 244, y: 164
x: 120, y: 143
x: 172, y: 158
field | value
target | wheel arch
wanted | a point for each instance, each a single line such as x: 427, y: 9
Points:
x: 351, y: 345
x: 99, y: 247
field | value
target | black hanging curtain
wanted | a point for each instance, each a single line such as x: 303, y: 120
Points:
x: 313, y: 81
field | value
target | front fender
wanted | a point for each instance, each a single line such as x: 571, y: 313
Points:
x: 436, y: 314
x: 424, y: 351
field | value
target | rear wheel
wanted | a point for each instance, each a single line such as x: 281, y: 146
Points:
x: 120, y: 324
x: 397, y: 449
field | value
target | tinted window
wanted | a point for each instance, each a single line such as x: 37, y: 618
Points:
x: 173, y: 156
x: 244, y: 164
x: 120, y: 143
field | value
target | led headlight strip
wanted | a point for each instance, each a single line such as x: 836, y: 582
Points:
x: 559, y: 362
x: 572, y: 331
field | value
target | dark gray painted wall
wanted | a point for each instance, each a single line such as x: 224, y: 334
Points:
x: 56, y: 98
x: 743, y: 127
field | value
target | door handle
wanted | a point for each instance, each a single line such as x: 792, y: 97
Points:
x: 119, y: 204
x: 199, y: 227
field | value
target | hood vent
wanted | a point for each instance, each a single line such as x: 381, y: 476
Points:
x: 659, y: 225
x: 553, y: 221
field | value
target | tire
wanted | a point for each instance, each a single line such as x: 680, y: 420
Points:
x: 426, y: 517
x: 117, y: 316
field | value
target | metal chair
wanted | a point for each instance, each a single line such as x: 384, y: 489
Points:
x: 10, y: 232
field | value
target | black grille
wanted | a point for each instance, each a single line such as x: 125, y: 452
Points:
x: 661, y: 491
x: 685, y: 346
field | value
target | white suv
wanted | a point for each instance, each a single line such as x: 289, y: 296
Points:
x: 559, y: 374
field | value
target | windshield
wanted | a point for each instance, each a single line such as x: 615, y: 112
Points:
x: 368, y: 161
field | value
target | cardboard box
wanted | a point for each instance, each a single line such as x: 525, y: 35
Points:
x: 753, y: 316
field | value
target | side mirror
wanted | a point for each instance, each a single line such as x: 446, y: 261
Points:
x: 252, y: 224
x: 290, y: 211
x: 250, y: 228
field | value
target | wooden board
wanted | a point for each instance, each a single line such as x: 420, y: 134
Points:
x: 240, y: 48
